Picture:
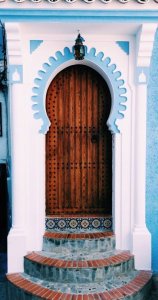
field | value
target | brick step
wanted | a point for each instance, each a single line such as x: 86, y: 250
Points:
x: 42, y: 266
x: 84, y: 288
x: 27, y: 288
x: 100, y: 241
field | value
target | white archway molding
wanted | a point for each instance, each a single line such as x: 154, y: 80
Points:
x: 108, y: 70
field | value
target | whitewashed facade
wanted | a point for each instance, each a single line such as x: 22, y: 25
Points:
x: 37, y: 32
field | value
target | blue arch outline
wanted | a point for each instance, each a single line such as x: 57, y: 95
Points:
x: 109, y: 70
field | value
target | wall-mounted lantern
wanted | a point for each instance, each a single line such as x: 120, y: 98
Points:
x: 79, y: 48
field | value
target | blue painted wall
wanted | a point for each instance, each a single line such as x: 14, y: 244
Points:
x: 152, y: 155
x: 3, y: 138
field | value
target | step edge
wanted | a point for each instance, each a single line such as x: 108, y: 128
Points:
x: 60, y: 263
x: 131, y: 288
x: 78, y: 236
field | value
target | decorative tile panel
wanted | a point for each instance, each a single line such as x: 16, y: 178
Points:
x: 79, y: 224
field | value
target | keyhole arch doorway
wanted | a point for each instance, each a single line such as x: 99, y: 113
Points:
x: 78, y: 144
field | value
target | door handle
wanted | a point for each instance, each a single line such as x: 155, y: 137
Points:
x: 94, y: 138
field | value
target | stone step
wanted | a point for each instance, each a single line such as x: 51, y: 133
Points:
x: 79, y: 262
x: 23, y: 287
x: 80, y: 254
x: 42, y: 265
x: 100, y: 241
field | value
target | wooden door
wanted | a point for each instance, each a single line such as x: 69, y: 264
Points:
x: 78, y: 144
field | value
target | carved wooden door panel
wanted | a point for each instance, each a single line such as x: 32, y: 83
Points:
x: 78, y: 144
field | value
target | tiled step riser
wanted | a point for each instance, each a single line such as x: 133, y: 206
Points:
x: 76, y: 275
x: 106, y: 244
x: 79, y: 223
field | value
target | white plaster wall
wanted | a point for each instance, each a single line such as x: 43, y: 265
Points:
x: 33, y: 179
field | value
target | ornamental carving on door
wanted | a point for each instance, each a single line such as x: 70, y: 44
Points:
x: 78, y: 144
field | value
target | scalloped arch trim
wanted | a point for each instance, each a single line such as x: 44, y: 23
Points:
x: 104, y: 64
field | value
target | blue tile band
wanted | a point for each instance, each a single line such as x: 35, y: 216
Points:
x: 78, y: 224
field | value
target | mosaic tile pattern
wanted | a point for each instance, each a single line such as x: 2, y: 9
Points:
x: 78, y: 224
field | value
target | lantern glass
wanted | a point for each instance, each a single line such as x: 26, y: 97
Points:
x: 79, y: 48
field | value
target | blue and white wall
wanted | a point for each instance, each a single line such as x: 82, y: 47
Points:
x: 33, y: 61
x: 152, y: 155
x: 39, y: 56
